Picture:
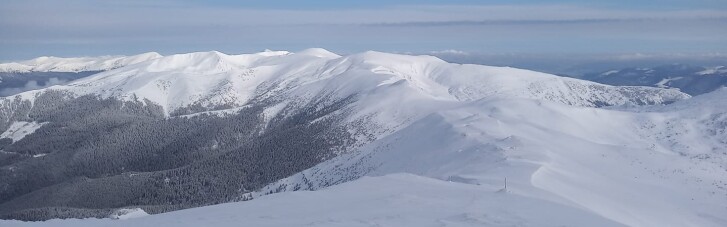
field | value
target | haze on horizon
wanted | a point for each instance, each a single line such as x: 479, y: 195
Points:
x: 616, y: 29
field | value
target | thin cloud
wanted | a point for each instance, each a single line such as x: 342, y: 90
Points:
x: 545, y: 22
x: 78, y: 12
x: 123, y: 27
x: 32, y: 85
x: 579, y: 64
x: 449, y: 52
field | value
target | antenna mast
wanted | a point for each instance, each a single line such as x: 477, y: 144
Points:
x: 505, y: 183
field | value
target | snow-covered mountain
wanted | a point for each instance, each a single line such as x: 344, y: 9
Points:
x: 392, y: 200
x: 213, y: 79
x: 58, y: 64
x: 694, y: 80
x: 655, y: 166
x: 433, y: 142
x: 17, y: 77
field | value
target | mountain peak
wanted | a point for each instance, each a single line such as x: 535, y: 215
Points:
x: 318, y: 52
x: 270, y: 53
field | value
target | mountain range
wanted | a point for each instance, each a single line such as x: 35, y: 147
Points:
x: 17, y: 77
x: 693, y: 80
x: 370, y: 138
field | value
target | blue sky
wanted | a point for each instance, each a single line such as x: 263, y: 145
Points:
x: 338, y: 4
x: 34, y: 28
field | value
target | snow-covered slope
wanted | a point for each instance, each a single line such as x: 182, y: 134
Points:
x: 643, y: 166
x: 213, y: 80
x: 463, y: 129
x: 18, y: 130
x: 393, y: 200
x: 56, y: 64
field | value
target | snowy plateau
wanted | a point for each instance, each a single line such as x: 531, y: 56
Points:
x: 433, y: 142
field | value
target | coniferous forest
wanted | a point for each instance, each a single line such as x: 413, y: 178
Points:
x: 102, y: 154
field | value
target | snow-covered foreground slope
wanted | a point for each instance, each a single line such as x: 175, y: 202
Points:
x: 437, y: 141
x: 655, y: 166
x: 392, y: 200
x: 56, y: 64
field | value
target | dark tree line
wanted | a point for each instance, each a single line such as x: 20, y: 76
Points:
x: 107, y: 153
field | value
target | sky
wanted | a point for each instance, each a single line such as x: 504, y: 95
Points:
x: 32, y: 28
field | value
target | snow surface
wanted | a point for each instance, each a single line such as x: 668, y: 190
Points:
x: 212, y: 79
x: 19, y: 129
x: 610, y: 72
x: 56, y: 64
x: 713, y: 70
x: 124, y: 214
x: 663, y: 82
x: 440, y: 139
x: 639, y: 166
x: 392, y: 200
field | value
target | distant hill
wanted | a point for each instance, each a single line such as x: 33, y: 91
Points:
x: 693, y: 80
x: 17, y: 77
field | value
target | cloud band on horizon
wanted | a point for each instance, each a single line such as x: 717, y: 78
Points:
x: 84, y: 27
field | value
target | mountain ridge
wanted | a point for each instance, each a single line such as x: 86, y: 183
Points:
x: 178, y: 81
x: 204, y: 128
x: 694, y: 80
x: 79, y: 64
